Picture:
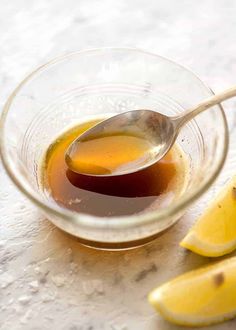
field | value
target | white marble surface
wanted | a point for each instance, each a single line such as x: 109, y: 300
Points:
x: 48, y: 280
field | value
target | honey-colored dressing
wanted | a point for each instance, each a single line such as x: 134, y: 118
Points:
x: 157, y: 186
x: 108, y: 154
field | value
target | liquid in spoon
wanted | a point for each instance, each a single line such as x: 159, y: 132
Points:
x: 109, y: 154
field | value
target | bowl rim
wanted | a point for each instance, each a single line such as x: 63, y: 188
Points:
x: 85, y: 220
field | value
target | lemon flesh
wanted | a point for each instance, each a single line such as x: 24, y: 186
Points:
x: 200, y: 297
x: 214, y: 234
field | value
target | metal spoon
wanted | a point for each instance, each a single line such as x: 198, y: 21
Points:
x: 159, y: 130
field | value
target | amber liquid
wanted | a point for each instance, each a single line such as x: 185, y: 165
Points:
x: 155, y: 187
x: 109, y: 154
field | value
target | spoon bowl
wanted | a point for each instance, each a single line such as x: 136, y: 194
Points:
x: 157, y: 129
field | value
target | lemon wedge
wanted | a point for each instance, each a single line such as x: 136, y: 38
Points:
x: 214, y: 234
x: 200, y: 297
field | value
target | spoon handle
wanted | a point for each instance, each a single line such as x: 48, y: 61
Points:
x: 204, y: 105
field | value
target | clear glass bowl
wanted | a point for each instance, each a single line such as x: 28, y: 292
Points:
x: 108, y: 81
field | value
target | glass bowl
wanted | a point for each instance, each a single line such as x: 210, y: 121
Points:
x: 108, y: 81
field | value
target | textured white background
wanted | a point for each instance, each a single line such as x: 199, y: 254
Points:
x: 48, y: 280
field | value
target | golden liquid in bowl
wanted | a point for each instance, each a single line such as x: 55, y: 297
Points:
x: 154, y: 187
